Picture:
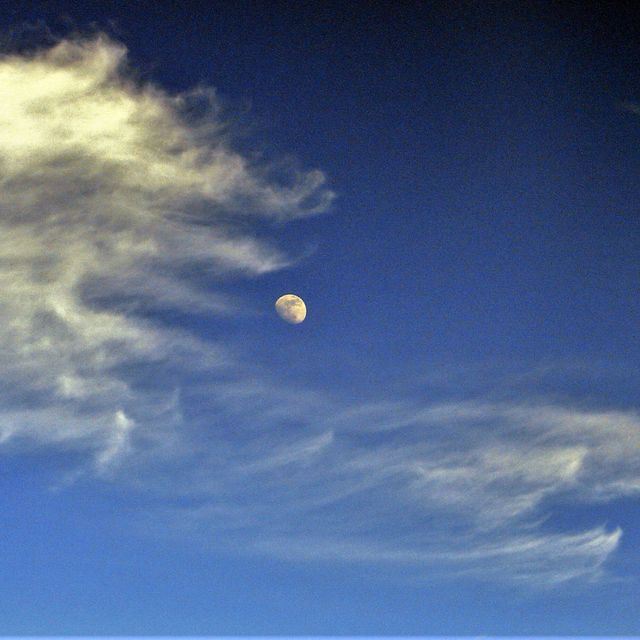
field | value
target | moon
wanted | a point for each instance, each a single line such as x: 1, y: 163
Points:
x: 291, y: 308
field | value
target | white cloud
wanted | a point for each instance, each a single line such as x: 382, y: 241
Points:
x: 466, y: 488
x: 99, y: 179
x: 119, y: 441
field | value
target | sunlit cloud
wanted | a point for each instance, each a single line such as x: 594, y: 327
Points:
x: 100, y: 177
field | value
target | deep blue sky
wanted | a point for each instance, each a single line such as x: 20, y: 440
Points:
x: 466, y: 379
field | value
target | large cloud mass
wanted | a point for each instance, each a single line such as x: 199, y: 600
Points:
x: 99, y: 181
x: 111, y: 198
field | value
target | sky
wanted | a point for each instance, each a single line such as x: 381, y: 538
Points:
x: 447, y: 445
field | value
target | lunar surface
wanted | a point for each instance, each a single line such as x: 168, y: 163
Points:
x: 291, y: 308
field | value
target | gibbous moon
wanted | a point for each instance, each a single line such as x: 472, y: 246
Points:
x: 291, y: 308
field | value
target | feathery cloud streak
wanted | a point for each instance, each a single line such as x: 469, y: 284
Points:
x: 449, y: 489
x: 99, y: 179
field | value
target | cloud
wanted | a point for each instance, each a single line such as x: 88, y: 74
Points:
x: 531, y: 560
x: 100, y: 177
x: 631, y: 107
x: 473, y: 489
x: 117, y: 205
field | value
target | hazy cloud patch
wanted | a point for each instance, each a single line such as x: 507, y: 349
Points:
x: 464, y: 488
x: 99, y: 178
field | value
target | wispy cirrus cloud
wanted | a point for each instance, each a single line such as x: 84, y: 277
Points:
x: 447, y: 489
x: 100, y: 177
x: 110, y: 195
x: 631, y: 107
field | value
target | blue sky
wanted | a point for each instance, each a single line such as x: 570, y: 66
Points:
x: 447, y: 445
